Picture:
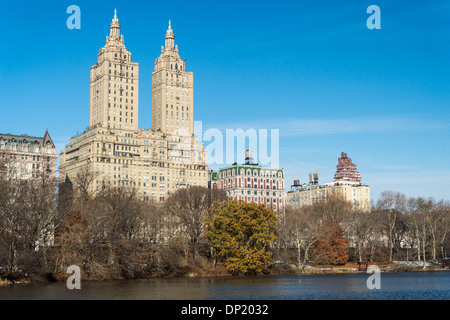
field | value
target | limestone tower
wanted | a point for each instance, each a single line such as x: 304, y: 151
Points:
x: 172, y: 91
x: 114, y: 84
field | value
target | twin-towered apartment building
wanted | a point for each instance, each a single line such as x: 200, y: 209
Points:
x: 157, y: 161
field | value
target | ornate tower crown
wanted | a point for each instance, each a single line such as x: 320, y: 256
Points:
x: 170, y: 38
x: 114, y: 35
x: 115, y: 27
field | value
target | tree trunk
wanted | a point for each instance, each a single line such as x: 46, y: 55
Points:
x: 44, y: 257
x: 424, y: 242
x: 418, y: 249
x: 306, y: 254
x: 433, y: 247
x: 13, y: 257
x: 391, y: 248
x: 424, y: 255
x: 360, y: 251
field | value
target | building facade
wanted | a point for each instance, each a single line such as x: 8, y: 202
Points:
x: 251, y: 182
x: 155, y: 162
x: 26, y: 157
x: 114, y: 84
x: 172, y: 91
x: 346, y: 185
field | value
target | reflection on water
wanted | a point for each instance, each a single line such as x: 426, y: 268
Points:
x: 394, y: 286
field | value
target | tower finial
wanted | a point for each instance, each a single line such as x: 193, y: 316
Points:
x: 170, y: 37
x: 115, y: 27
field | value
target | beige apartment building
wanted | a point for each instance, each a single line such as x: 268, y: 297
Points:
x: 347, y: 185
x: 157, y: 161
x: 26, y: 157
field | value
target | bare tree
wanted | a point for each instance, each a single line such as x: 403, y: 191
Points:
x: 82, y: 183
x: 438, y: 224
x: 13, y: 209
x: 191, y: 209
x: 391, y: 205
x: 360, y: 229
x: 299, y: 229
x: 418, y: 218
x: 443, y: 210
x: 27, y: 218
x: 334, y: 209
x: 42, y: 217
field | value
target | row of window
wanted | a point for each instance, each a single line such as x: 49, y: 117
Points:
x: 262, y: 173
x: 22, y: 157
x: 120, y: 119
x: 121, y: 66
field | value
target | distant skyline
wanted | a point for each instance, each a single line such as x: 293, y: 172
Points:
x: 312, y: 70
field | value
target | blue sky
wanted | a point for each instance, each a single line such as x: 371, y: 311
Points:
x: 311, y: 69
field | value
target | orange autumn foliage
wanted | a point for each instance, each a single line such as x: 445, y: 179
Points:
x: 330, y: 246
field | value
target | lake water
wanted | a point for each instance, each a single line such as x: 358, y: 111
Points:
x: 394, y: 286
